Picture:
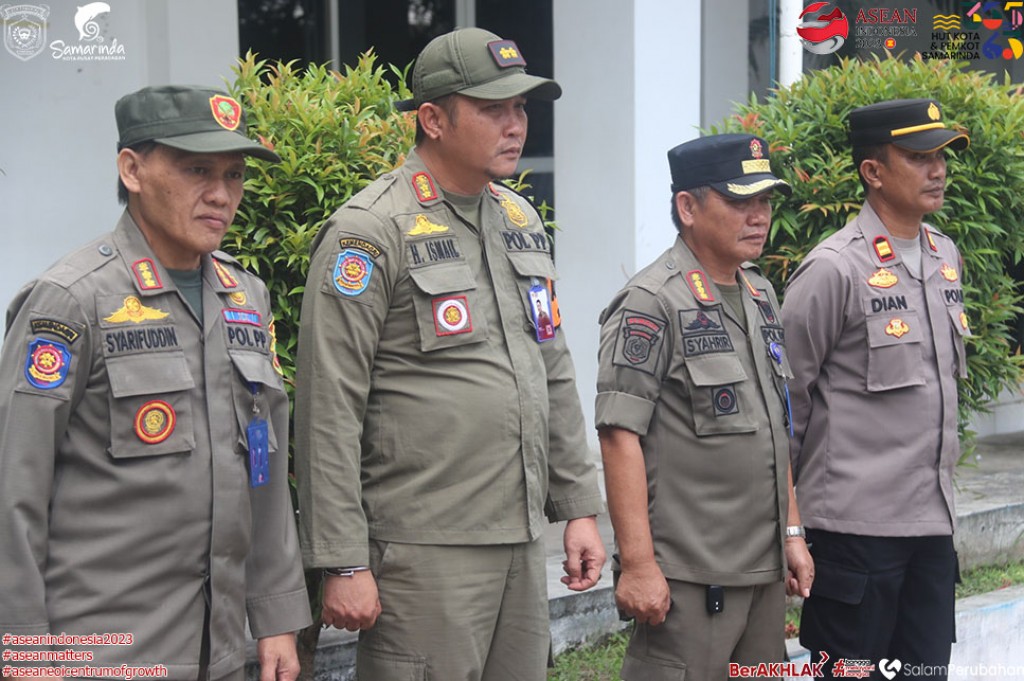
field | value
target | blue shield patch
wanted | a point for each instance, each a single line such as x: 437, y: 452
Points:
x: 352, y: 272
x: 47, y: 364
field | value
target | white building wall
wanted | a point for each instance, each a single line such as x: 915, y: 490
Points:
x: 630, y: 71
x: 58, y: 137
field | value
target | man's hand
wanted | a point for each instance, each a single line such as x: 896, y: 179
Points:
x: 584, y: 554
x: 643, y: 593
x: 279, y: 660
x: 800, y: 568
x: 351, y: 602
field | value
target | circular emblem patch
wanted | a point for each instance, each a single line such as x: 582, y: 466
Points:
x: 154, y: 422
x: 725, y: 401
x: 451, y: 316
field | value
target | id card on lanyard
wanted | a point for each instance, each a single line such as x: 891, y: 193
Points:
x: 540, y: 309
x: 258, y: 435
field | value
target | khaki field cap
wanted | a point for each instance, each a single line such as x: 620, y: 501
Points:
x: 475, y: 63
x: 185, y: 117
x: 912, y: 124
x: 735, y: 165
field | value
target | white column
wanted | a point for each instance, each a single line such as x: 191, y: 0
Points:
x: 630, y: 71
x: 791, y: 52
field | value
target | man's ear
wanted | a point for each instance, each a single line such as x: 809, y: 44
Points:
x: 686, y: 206
x: 129, y: 164
x: 869, y: 171
x: 433, y: 119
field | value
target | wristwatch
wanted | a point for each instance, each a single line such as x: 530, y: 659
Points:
x: 795, y: 531
x: 345, y: 571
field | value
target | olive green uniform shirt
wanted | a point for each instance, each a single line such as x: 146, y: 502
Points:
x: 703, y: 391
x: 427, y: 411
x: 876, y: 354
x: 124, y: 479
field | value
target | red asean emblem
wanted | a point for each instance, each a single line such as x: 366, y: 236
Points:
x: 154, y: 422
x: 823, y: 29
x: 226, y: 111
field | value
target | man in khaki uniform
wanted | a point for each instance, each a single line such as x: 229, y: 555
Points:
x: 143, y: 428
x: 875, y: 323
x: 437, y: 416
x: 692, y: 416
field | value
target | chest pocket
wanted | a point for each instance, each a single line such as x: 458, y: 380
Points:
x: 717, y: 395
x: 254, y: 369
x: 894, y: 350
x: 150, y: 408
x: 532, y: 269
x: 447, y: 305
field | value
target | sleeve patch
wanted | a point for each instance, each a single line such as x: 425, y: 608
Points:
x: 640, y: 341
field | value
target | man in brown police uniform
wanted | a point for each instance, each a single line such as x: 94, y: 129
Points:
x: 143, y: 428
x: 875, y: 323
x: 692, y: 416
x: 437, y: 415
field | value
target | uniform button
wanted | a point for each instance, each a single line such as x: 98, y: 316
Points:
x: 671, y: 265
x: 106, y: 250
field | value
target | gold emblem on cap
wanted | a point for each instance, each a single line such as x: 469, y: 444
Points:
x: 933, y: 112
x: 514, y: 212
x: 134, y: 311
x: 424, y: 226
x: 755, y: 149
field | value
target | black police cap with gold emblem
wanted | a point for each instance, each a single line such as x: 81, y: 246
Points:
x: 912, y: 124
x: 735, y: 165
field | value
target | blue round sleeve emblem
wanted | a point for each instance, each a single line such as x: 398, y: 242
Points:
x: 47, y: 364
x: 352, y: 272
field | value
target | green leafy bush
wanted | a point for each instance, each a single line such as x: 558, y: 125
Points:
x: 805, y: 125
x: 335, y: 133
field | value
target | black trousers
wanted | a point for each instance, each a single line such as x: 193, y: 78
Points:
x: 876, y: 598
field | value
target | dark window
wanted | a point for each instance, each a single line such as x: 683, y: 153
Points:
x: 282, y: 30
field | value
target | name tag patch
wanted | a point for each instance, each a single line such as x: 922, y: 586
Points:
x: 130, y: 341
x: 703, y: 332
x: 526, y: 241
x: 432, y: 251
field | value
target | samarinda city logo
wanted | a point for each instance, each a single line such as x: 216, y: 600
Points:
x: 25, y: 28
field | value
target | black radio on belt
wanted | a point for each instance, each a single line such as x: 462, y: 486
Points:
x: 715, y: 599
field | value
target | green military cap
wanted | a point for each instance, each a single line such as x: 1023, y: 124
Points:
x: 912, y: 124
x: 186, y: 117
x: 736, y: 165
x: 475, y: 63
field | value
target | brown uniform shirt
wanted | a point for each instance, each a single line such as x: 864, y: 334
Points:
x: 427, y: 411
x: 125, y: 482
x: 876, y: 354
x: 702, y: 390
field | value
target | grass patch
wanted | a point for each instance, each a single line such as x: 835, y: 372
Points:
x: 601, y: 662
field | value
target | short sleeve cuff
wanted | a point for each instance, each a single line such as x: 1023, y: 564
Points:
x: 622, y: 410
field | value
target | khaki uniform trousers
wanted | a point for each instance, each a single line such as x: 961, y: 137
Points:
x: 693, y: 645
x: 457, y: 613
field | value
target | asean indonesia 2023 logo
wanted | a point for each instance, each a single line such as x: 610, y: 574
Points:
x: 823, y: 28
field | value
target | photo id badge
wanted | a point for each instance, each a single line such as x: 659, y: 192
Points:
x: 259, y: 459
x: 540, y: 308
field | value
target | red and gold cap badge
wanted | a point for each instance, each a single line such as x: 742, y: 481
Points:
x: 226, y: 111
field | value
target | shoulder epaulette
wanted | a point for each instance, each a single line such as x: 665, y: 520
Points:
x: 370, y: 194
x: 81, y: 262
